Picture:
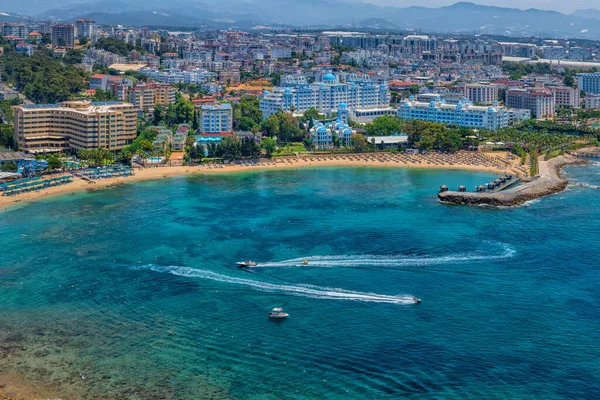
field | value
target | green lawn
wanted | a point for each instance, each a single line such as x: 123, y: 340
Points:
x: 290, y: 149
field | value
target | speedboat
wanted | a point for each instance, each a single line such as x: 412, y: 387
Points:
x: 278, y: 313
x: 416, y: 299
x: 247, y: 263
x: 305, y: 262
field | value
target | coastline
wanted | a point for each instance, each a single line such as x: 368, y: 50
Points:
x: 471, y: 162
x: 548, y: 182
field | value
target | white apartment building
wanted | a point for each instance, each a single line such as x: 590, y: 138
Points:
x: 483, y: 94
x: 591, y: 101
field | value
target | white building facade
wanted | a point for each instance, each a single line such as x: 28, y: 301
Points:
x: 298, y: 95
x: 464, y: 115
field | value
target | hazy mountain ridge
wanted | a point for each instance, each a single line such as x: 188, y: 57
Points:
x: 461, y: 17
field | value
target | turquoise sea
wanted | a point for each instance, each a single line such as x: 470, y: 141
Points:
x: 133, y: 293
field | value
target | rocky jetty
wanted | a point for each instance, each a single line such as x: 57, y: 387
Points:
x: 548, y: 182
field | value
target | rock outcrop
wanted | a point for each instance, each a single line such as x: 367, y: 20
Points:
x: 548, y: 182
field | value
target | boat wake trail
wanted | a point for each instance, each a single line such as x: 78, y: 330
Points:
x: 387, y: 261
x: 315, y: 292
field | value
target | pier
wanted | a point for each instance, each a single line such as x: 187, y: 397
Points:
x: 499, y: 184
x: 548, y: 182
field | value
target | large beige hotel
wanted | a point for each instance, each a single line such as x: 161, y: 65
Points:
x: 75, y: 125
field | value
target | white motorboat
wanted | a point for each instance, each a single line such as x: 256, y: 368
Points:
x: 278, y: 313
x: 247, y: 263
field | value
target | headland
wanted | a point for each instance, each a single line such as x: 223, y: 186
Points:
x: 549, y: 181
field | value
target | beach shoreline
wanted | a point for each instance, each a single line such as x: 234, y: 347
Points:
x: 497, y: 164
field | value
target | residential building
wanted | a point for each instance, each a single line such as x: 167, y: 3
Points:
x: 99, y: 81
x: 63, y: 35
x: 464, y: 115
x: 482, y: 94
x: 565, y: 96
x: 85, y: 27
x: 24, y: 48
x: 591, y: 101
x: 589, y: 82
x: 554, y: 52
x: 17, y: 30
x: 216, y: 118
x: 295, y: 93
x: 74, y: 125
x: 146, y: 96
x: 518, y: 115
x: 539, y: 102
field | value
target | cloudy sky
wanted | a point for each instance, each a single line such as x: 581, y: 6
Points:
x: 564, y: 6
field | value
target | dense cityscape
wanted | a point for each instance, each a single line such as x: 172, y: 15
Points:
x: 139, y: 164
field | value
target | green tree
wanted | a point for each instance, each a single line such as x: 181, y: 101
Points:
x: 157, y: 116
x: 54, y: 163
x: 385, y: 126
x: 569, y: 81
x: 359, y: 142
x: 195, y: 122
x: 9, y: 166
x: 146, y: 145
x: 102, y: 95
x: 184, y: 110
x: 312, y: 113
x: 6, y: 136
x: 269, y: 145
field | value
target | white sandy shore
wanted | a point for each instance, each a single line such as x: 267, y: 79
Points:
x: 496, y: 163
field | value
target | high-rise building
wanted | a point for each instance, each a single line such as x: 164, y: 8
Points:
x: 74, y: 125
x: 146, y: 96
x: 216, y: 118
x: 483, y: 94
x: 589, y: 83
x: 565, y: 96
x: 85, y: 27
x: 465, y: 115
x: 591, y: 102
x: 63, y: 35
x: 296, y: 94
x: 17, y: 30
x: 540, y: 102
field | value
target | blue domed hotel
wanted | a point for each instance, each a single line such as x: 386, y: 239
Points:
x: 295, y: 93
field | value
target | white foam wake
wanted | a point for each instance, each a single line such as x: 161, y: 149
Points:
x: 315, y: 292
x: 386, y: 261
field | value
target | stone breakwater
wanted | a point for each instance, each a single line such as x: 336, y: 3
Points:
x: 548, y: 182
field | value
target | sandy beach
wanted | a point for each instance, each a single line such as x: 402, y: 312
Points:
x: 497, y: 162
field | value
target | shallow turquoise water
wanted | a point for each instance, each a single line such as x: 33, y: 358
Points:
x: 135, y: 288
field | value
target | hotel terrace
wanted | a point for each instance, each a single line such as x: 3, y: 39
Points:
x: 74, y: 125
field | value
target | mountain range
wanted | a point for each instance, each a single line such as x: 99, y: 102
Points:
x: 462, y: 17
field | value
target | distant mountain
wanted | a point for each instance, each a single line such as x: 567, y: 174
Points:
x: 377, y: 23
x: 588, y: 13
x: 461, y: 17
x: 11, y: 17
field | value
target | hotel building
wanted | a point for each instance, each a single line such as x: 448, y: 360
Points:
x: 74, y: 125
x: 465, y: 115
x: 298, y: 95
x: 146, y: 96
x: 565, y: 96
x: 216, y: 118
x: 589, y: 83
x: 540, y: 102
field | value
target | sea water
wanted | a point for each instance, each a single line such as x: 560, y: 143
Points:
x: 133, y: 292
